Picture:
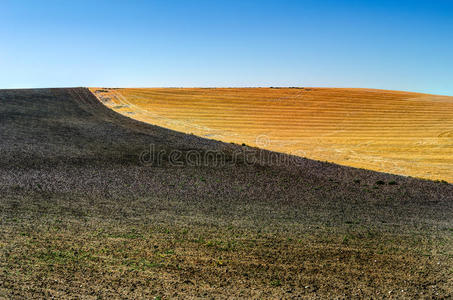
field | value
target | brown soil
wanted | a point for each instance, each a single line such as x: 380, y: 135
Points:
x: 83, y: 217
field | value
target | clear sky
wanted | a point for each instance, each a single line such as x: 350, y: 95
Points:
x: 389, y: 44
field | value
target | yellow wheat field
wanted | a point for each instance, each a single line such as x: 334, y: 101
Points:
x: 389, y: 131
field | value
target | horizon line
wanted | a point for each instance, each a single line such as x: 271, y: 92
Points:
x: 231, y: 87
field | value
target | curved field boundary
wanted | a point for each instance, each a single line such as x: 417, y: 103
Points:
x: 388, y: 131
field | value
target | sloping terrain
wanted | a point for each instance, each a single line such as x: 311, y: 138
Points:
x: 388, y: 131
x: 97, y: 205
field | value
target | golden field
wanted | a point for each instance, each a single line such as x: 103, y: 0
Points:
x: 395, y: 132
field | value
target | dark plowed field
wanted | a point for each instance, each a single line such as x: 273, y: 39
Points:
x: 96, y: 205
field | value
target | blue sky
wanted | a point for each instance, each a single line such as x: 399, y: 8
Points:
x: 402, y: 45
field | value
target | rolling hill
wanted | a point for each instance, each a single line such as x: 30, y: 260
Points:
x: 388, y: 131
x: 94, y: 204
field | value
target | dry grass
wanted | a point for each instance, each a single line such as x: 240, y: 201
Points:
x: 395, y: 132
x: 81, y: 217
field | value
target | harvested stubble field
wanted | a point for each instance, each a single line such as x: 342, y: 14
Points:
x: 394, y: 132
x: 83, y: 217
